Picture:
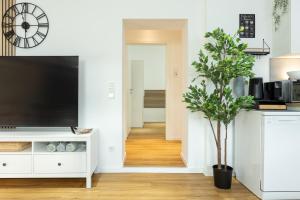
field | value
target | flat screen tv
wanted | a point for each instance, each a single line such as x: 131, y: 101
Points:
x: 39, y: 91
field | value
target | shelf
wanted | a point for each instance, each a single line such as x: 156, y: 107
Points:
x: 25, y: 151
x: 41, y: 148
x: 257, y: 51
x: 265, y: 50
x: 59, y: 153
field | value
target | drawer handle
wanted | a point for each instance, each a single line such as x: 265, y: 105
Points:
x: 59, y: 164
x: 4, y: 164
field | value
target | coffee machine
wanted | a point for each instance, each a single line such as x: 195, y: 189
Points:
x: 256, y: 88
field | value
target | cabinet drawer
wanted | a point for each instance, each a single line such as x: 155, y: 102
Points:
x: 15, y: 164
x: 70, y: 163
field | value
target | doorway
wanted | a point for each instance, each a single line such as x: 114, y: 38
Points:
x: 154, y: 117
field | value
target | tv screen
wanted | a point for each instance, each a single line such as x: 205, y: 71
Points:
x: 39, y: 91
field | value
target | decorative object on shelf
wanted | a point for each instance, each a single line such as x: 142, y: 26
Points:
x: 61, y: 147
x: 81, y: 147
x: 51, y: 147
x: 71, y: 146
x: 294, y: 75
x: 223, y: 61
x: 247, y: 26
x: 83, y: 130
x: 25, y: 25
x: 265, y: 50
x: 280, y: 7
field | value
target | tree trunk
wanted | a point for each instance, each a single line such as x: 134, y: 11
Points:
x: 219, y: 145
x: 225, y: 149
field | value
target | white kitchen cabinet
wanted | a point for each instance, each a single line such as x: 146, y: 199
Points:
x: 267, y: 146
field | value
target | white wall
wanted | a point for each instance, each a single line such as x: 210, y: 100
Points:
x: 154, y: 57
x: 92, y: 29
x: 154, y: 114
x: 295, y: 29
x: 286, y: 39
x: 282, y: 36
x: 281, y: 65
x: 225, y: 14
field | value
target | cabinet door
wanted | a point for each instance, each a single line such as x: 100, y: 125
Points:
x: 15, y: 164
x: 281, y: 147
x: 51, y: 164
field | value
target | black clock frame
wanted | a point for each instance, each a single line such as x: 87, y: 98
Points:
x: 8, y: 28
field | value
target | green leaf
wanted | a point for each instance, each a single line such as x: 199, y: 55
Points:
x: 221, y: 60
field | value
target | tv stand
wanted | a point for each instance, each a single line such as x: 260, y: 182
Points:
x: 36, y: 162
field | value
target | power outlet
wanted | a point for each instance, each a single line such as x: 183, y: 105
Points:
x: 111, y: 90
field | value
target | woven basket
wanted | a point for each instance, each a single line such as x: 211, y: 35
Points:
x: 14, y: 146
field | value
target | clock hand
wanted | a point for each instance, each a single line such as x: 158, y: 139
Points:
x: 23, y: 18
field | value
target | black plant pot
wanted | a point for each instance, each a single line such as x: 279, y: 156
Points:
x: 222, y: 177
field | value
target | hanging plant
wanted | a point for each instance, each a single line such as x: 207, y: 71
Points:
x: 280, y: 8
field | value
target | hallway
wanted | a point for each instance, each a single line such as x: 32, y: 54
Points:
x: 146, y: 147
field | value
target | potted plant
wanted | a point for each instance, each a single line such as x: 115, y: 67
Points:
x: 224, y: 60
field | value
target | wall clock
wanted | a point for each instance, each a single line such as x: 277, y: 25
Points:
x: 25, y: 25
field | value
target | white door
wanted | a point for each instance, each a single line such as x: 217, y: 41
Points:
x: 281, y: 150
x: 137, y: 93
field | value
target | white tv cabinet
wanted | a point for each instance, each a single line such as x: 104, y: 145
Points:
x: 36, y: 162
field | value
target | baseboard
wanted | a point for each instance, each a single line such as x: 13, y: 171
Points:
x: 208, y: 171
x: 173, y: 139
x: 167, y: 170
x: 183, y: 159
x: 124, y: 158
x: 128, y: 132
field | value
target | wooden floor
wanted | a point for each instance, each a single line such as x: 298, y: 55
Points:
x: 147, y: 147
x: 122, y: 187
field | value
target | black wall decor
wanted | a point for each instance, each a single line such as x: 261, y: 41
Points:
x: 25, y: 25
x: 247, y: 23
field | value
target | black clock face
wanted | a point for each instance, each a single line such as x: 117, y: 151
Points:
x: 25, y: 25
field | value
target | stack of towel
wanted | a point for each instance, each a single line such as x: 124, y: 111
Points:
x: 66, y: 147
x: 51, y: 147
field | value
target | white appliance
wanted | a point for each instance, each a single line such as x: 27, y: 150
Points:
x: 267, y: 149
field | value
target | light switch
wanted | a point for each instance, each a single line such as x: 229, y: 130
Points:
x: 111, y: 90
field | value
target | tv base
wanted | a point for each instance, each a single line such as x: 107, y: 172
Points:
x: 73, y: 129
x: 37, y: 162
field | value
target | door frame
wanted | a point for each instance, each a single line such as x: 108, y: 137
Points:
x: 182, y: 77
